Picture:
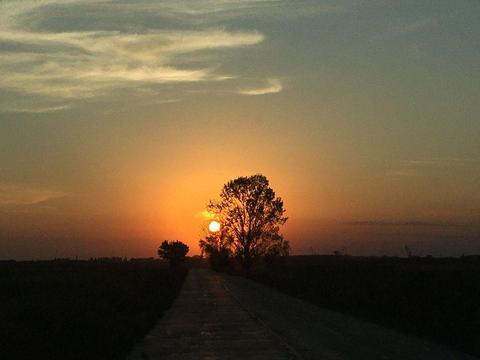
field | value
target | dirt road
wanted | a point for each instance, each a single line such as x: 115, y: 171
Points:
x: 222, y: 317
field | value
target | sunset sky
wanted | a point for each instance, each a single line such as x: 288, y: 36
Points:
x: 119, y: 120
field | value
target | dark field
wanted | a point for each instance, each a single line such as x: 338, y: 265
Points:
x: 81, y: 309
x: 438, y: 299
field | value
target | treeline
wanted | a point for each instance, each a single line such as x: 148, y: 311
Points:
x: 72, y: 309
x: 436, y: 298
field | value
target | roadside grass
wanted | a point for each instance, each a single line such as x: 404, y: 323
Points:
x: 67, y: 309
x: 435, y: 298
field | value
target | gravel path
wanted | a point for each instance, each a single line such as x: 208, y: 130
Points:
x: 222, y: 317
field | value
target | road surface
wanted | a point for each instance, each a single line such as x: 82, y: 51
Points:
x: 217, y: 316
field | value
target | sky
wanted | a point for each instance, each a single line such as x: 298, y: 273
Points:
x: 119, y: 120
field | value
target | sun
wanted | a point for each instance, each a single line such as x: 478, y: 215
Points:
x: 214, y: 226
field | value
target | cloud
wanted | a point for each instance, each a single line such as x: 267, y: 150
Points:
x: 446, y: 161
x: 410, y: 223
x: 55, y: 51
x: 15, y: 194
x: 94, y: 62
x: 53, y: 65
x: 417, y: 167
x: 273, y: 86
x: 417, y: 25
x: 205, y: 215
x: 36, y: 110
x: 402, y: 173
x: 220, y: 10
x: 411, y: 29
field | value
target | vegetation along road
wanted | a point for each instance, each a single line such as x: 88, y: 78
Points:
x: 217, y: 316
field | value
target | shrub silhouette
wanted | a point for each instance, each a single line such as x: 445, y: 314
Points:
x: 219, y: 258
x: 173, y: 251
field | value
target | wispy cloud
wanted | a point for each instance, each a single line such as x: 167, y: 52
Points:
x: 410, y: 29
x: 205, y: 215
x: 217, y: 10
x: 76, y: 64
x: 417, y: 167
x: 408, y: 223
x: 35, y: 110
x: 65, y: 50
x: 439, y: 161
x: 417, y: 25
x: 92, y: 62
x: 405, y: 27
x: 273, y: 86
x: 15, y: 194
x: 402, y: 172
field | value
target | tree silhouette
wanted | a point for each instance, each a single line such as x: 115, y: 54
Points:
x: 250, y: 216
x: 173, y: 251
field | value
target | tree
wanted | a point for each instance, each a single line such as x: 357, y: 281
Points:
x: 250, y: 216
x: 173, y: 251
x: 218, y: 255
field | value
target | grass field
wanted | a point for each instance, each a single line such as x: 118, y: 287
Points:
x: 435, y: 298
x: 81, y: 309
